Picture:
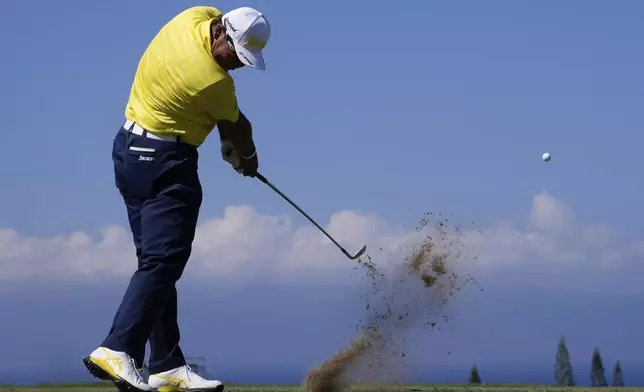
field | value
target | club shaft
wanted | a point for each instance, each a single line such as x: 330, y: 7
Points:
x: 273, y: 187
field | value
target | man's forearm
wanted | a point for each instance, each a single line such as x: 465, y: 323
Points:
x: 242, y: 140
x: 245, y: 146
x: 240, y: 134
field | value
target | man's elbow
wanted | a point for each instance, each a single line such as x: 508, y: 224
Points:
x: 244, y: 123
x: 229, y: 130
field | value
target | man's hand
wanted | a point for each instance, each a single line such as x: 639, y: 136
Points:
x: 238, y: 147
x: 244, y: 165
x: 249, y: 166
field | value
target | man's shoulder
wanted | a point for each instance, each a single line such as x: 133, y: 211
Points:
x: 221, y: 83
x: 201, y: 11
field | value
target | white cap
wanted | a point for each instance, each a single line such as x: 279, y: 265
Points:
x: 250, y: 32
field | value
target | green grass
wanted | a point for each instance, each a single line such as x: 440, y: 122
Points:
x: 107, y: 387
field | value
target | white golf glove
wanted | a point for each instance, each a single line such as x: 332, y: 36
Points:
x: 230, y: 154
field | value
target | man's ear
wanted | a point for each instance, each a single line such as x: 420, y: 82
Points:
x: 218, y: 30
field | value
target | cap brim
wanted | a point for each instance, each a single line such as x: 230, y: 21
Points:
x: 253, y: 59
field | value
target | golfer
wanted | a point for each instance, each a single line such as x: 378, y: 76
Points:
x: 181, y: 91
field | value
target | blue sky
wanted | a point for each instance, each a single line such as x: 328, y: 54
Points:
x: 368, y: 115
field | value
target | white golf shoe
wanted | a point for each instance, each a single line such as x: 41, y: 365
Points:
x: 118, y: 367
x: 183, y: 379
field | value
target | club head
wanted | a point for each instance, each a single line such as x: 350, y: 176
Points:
x: 359, y: 253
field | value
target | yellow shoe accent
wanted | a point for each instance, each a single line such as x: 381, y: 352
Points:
x: 175, y: 384
x: 111, y: 365
x: 169, y: 389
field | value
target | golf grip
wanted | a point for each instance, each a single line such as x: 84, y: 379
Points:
x: 273, y: 187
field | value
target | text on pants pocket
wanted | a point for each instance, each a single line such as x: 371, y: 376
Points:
x: 144, y: 153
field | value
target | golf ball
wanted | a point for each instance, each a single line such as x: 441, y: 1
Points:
x: 545, y: 157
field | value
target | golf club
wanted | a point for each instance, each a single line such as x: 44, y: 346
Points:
x: 273, y: 187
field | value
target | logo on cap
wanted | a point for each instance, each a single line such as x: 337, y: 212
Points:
x: 254, y: 42
x: 229, y: 25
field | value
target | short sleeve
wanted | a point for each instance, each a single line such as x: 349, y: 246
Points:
x: 220, y: 101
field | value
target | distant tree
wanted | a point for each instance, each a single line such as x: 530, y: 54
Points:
x: 563, y: 368
x: 474, y: 376
x: 618, y: 377
x: 597, y: 378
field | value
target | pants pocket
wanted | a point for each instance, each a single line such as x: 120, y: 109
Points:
x: 142, y: 166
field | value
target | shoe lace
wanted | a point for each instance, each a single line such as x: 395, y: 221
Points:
x: 135, y: 367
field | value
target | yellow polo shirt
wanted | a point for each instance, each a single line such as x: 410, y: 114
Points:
x: 179, y: 88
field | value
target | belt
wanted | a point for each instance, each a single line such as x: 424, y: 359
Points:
x: 136, y: 129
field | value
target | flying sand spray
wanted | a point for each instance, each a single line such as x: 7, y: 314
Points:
x: 413, y: 292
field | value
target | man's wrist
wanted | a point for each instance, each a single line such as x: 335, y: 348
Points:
x: 247, y: 150
x: 250, y: 156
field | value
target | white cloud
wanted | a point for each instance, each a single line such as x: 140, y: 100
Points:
x: 553, y: 235
x: 244, y: 244
x: 550, y: 214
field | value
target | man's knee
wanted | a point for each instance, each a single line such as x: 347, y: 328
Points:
x: 162, y: 271
x: 169, y: 229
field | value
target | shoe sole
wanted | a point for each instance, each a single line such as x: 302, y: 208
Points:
x: 219, y: 388
x: 98, y: 372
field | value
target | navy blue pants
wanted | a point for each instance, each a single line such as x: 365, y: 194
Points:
x: 160, y: 186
